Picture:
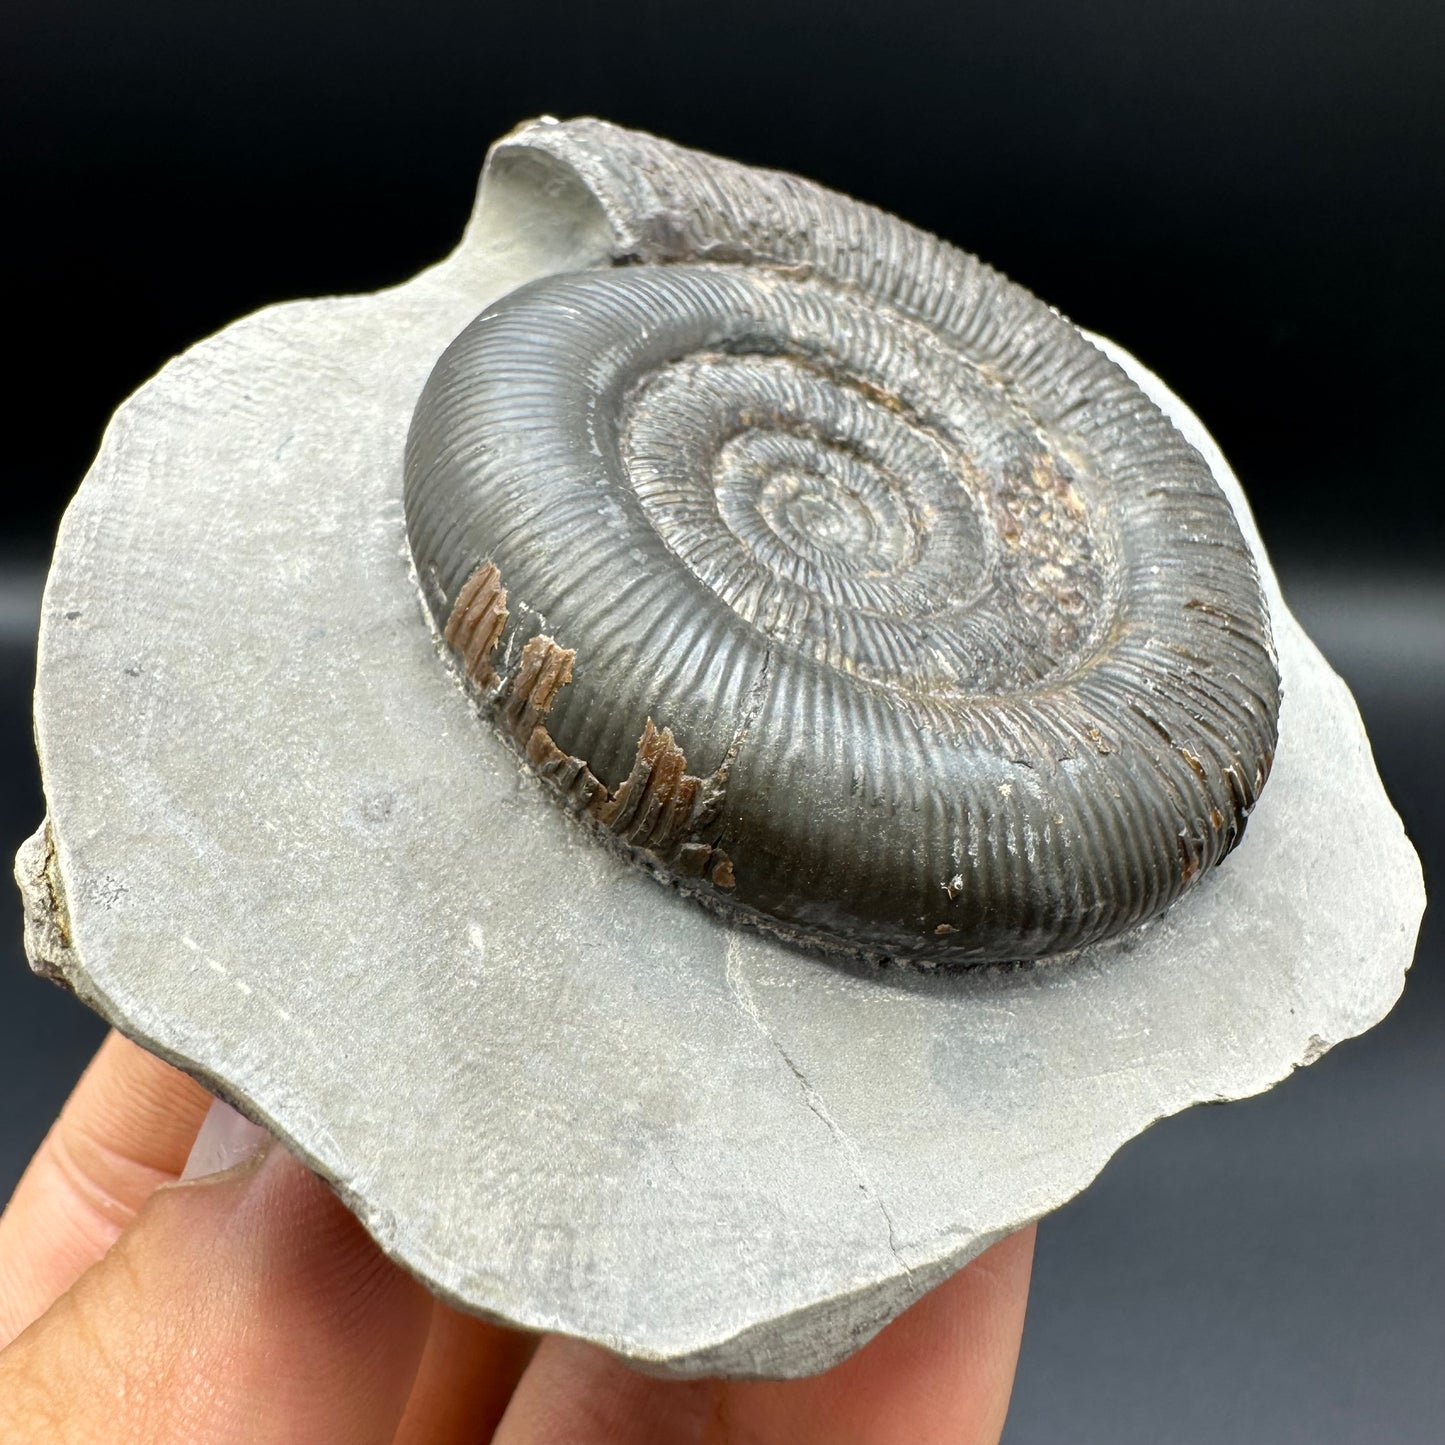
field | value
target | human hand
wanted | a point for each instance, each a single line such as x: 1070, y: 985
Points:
x: 249, y: 1306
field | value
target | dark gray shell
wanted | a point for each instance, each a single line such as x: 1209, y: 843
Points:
x: 836, y: 576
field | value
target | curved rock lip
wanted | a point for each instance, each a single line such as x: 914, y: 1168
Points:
x: 284, y: 852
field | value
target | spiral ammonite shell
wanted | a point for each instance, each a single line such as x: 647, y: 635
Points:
x: 836, y: 577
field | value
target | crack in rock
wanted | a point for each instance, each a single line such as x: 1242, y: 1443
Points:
x: 743, y: 995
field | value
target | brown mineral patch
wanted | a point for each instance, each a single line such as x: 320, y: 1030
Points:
x: 475, y: 626
x: 50, y: 872
x: 1189, y: 856
x: 544, y: 670
x: 659, y: 807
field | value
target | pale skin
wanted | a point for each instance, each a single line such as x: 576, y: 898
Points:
x: 249, y: 1308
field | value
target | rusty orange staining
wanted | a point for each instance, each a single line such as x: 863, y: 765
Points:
x: 544, y: 670
x: 658, y: 791
x: 1193, y: 761
x: 59, y: 911
x: 475, y: 625
x: 1189, y: 857
x: 658, y: 808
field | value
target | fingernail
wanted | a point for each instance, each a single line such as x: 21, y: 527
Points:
x: 226, y: 1139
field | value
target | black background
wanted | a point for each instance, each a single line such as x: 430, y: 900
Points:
x: 1248, y: 196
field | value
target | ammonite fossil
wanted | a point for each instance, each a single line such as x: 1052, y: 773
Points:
x: 836, y: 577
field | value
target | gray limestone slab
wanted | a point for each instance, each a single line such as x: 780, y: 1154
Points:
x: 284, y: 852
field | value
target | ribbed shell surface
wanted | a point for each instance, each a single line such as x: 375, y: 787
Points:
x: 838, y: 578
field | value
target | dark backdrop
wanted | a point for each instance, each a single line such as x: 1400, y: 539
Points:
x: 1247, y: 195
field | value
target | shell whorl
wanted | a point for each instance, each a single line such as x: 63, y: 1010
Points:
x: 836, y: 576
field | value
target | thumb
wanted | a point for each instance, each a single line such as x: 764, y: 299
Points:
x: 243, y: 1306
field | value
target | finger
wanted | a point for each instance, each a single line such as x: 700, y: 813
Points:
x: 248, y: 1307
x: 578, y: 1393
x: 468, y: 1372
x: 941, y: 1372
x: 125, y: 1129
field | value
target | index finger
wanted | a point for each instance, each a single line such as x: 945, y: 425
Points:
x: 125, y: 1129
x: 941, y: 1372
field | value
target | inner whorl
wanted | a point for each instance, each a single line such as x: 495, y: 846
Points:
x: 894, y: 641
